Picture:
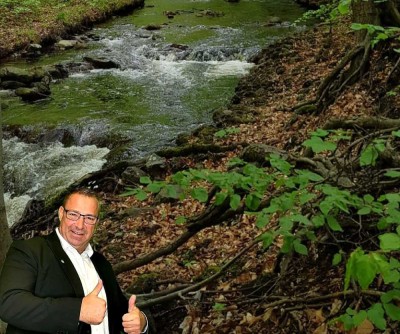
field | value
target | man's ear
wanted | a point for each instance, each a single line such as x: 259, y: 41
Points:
x: 60, y: 213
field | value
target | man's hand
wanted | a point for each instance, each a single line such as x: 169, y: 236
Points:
x: 93, y: 307
x: 133, y: 321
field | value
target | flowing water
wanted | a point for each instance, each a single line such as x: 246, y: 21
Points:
x: 170, y: 80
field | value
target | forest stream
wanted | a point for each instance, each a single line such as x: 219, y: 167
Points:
x: 169, y: 81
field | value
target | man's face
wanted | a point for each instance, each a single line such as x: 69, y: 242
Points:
x: 77, y: 233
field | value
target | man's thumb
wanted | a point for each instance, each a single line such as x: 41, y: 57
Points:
x: 97, y: 288
x: 132, y: 302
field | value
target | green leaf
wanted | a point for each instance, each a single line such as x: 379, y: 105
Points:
x: 286, y: 223
x: 137, y: 192
x: 309, y: 175
x: 236, y: 162
x: 310, y: 235
x: 171, y: 191
x: 235, y: 201
x: 220, y: 197
x: 141, y: 195
x: 389, y: 241
x: 325, y: 206
x: 318, y: 221
x: 350, y: 265
x: 333, y: 224
x: 320, y: 133
x: 359, y: 318
x: 364, y: 211
x: 145, y: 180
x: 390, y: 295
x: 299, y: 247
x: 393, y: 174
x: 396, y: 133
x: 337, y: 258
x: 262, y: 220
x: 369, y: 156
x: 394, y: 263
x: 376, y: 316
x: 280, y: 164
x: 220, y: 134
x: 391, y: 276
x: 347, y: 321
x: 219, y: 307
x: 287, y: 244
x: 365, y: 271
x: 392, y: 311
x: 253, y: 201
x: 267, y: 239
x: 129, y: 192
x: 154, y: 187
x: 306, y: 197
x: 368, y: 198
x: 318, y: 145
x: 200, y: 194
x: 344, y: 7
x: 181, y: 220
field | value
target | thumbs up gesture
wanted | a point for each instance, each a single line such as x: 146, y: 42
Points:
x: 93, y: 308
x: 133, y: 321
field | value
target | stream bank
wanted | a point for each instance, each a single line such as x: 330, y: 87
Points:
x: 166, y: 81
x: 21, y: 27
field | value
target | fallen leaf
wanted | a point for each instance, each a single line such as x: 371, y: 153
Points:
x: 366, y: 327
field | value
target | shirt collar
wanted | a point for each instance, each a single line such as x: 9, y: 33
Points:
x: 67, y: 247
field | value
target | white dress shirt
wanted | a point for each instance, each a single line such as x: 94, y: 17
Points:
x: 88, y: 276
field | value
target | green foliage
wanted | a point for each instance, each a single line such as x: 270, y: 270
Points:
x: 219, y: 307
x: 331, y: 12
x: 326, y: 12
x: 317, y: 144
x: 377, y: 33
x: 226, y: 132
x: 300, y: 203
x: 21, y: 6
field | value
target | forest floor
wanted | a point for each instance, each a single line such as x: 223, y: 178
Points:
x: 246, y: 298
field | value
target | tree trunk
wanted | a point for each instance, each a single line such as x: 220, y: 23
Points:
x: 357, y: 61
x: 365, y: 12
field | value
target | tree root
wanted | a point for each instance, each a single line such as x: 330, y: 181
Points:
x: 333, y: 84
x: 375, y: 123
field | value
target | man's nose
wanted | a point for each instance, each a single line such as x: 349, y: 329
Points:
x: 80, y: 222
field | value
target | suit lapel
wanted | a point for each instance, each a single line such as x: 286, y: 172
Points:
x: 65, y: 263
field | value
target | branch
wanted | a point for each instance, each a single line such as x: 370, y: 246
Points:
x: 174, y: 295
x: 305, y: 300
x: 212, y: 216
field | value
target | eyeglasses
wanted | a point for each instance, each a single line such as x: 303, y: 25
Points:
x: 75, y: 215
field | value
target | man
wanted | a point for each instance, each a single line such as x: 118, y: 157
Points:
x: 58, y: 284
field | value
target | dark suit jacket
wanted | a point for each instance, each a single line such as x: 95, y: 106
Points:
x: 40, y: 290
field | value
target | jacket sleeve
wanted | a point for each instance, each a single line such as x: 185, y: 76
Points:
x: 20, y: 304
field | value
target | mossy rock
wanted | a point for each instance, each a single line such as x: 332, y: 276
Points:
x: 143, y: 284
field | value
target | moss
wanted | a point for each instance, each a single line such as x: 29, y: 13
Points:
x: 143, y: 284
x: 35, y: 21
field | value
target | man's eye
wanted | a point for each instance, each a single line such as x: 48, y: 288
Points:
x: 74, y: 214
x: 90, y: 219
